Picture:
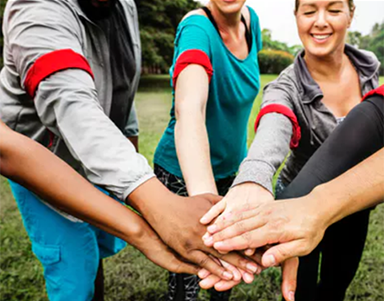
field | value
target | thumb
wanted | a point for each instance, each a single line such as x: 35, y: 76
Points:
x: 281, y: 252
x: 213, y: 212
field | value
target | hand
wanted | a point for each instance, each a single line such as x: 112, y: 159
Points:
x: 238, y: 200
x: 296, y: 226
x: 176, y: 220
x: 288, y: 286
x: 150, y: 244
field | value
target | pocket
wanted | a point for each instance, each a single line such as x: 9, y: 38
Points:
x: 47, y: 254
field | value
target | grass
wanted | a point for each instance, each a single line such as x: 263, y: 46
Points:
x: 129, y: 275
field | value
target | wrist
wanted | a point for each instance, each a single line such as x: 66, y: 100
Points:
x: 324, y: 206
x: 252, y: 190
x: 149, y: 199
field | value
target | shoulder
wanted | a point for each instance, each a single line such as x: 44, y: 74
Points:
x: 285, y: 86
x: 195, y: 12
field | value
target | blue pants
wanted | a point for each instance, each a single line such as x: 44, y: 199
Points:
x: 69, y: 251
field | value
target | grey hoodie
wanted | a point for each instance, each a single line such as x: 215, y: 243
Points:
x: 296, y: 89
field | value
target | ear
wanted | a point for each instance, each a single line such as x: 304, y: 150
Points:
x: 351, y: 15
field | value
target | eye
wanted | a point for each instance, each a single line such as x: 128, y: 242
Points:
x: 308, y: 13
x: 335, y: 11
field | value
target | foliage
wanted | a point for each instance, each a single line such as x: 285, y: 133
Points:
x: 158, y: 21
x: 374, y: 42
x: 269, y: 43
x: 274, y: 61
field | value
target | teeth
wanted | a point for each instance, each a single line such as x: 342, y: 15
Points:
x: 321, y: 37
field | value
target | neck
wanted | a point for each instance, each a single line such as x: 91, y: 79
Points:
x: 326, y: 68
x: 227, y: 23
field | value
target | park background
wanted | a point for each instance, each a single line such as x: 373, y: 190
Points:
x: 129, y: 275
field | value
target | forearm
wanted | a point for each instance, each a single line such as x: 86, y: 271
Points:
x: 74, y: 114
x: 191, y: 137
x: 44, y: 174
x: 193, y: 153
x: 360, y: 187
x: 267, y: 152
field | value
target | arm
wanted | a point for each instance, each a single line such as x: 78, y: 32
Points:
x: 43, y: 173
x: 253, y: 185
x: 191, y: 136
x: 67, y: 100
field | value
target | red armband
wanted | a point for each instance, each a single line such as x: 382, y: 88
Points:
x: 280, y: 109
x: 189, y: 57
x: 53, y: 62
x: 379, y: 91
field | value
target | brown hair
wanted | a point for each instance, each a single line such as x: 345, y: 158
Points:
x: 351, y: 5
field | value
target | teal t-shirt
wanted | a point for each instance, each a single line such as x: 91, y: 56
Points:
x: 233, y: 87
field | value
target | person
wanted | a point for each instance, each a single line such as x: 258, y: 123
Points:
x: 322, y: 194
x: 300, y: 109
x: 91, y: 205
x: 71, y: 70
x: 215, y: 79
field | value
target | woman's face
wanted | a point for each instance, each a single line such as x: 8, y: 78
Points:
x: 323, y: 25
x: 228, y: 6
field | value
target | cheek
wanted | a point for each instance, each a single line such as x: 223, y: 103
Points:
x: 303, y: 25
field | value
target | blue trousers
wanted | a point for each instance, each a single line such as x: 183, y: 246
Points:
x: 69, y: 251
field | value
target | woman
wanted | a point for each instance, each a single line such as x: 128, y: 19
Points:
x: 299, y: 111
x: 215, y: 79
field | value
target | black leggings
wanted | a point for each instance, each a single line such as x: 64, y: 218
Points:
x: 358, y: 137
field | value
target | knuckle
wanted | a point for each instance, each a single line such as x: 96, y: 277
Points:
x: 203, y: 261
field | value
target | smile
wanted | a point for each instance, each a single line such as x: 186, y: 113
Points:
x: 321, y: 37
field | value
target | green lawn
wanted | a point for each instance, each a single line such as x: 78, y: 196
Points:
x: 129, y: 275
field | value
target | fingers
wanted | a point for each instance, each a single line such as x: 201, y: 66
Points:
x: 235, y: 271
x: 251, y: 239
x: 168, y: 260
x: 249, y: 252
x: 213, y: 212
x: 240, y: 262
x: 281, y: 252
x: 234, y: 230
x: 228, y: 219
x: 288, y: 286
x: 204, y: 261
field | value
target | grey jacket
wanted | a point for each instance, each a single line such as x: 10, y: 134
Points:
x: 69, y: 103
x: 296, y: 89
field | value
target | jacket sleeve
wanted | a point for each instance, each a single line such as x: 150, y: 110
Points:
x: 272, y: 140
x: 66, y: 101
x: 132, y: 127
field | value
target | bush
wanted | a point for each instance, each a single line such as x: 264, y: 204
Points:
x: 274, y: 61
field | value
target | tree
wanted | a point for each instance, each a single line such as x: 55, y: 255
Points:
x: 158, y: 21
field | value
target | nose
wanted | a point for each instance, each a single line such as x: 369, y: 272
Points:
x: 321, y: 20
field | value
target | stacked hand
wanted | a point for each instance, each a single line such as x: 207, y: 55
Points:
x: 240, y: 218
x: 175, y: 219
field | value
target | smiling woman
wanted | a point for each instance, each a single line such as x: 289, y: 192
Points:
x: 300, y: 109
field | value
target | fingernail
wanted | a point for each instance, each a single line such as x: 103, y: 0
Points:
x: 203, y: 274
x: 251, y: 267
x: 208, y: 239
x: 206, y: 235
x: 248, y: 278
x: 291, y: 296
x: 218, y: 245
x: 270, y: 260
x: 203, y: 220
x: 227, y: 275
x: 212, y: 228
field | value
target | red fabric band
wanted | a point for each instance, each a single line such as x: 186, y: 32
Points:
x: 188, y: 57
x: 280, y: 109
x: 53, y: 62
x: 379, y: 90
